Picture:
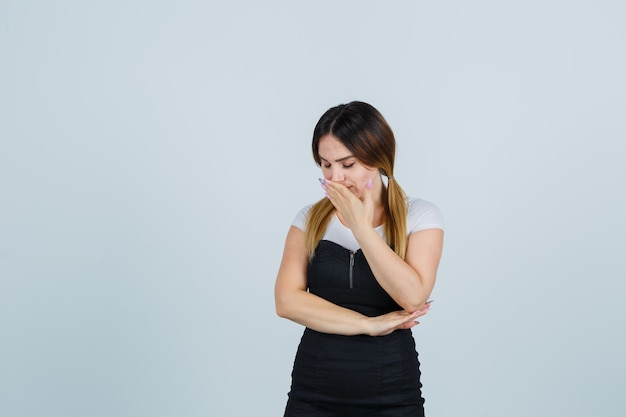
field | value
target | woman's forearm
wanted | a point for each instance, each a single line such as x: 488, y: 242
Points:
x: 319, y: 314
x: 401, y: 281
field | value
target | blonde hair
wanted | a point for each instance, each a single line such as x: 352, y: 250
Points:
x: 365, y: 133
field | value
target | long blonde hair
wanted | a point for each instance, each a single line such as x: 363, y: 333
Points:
x: 365, y: 133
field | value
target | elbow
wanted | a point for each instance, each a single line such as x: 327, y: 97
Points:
x: 282, y: 307
x: 288, y: 303
x: 280, y: 311
x: 414, y: 298
x: 413, y: 305
x: 284, y: 313
x: 412, y: 308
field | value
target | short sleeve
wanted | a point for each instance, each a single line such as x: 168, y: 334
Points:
x: 301, y: 217
x: 423, y: 215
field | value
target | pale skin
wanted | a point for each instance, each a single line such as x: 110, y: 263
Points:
x: 357, y: 192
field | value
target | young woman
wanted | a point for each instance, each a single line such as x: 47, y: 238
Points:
x: 357, y: 270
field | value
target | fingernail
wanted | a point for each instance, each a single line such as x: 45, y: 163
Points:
x: 369, y: 184
x: 322, y: 181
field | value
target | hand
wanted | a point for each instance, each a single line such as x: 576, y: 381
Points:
x: 390, y: 322
x: 353, y: 211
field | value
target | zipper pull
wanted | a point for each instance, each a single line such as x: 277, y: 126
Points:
x: 351, y: 267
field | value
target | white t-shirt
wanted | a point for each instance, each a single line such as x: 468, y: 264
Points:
x: 422, y: 215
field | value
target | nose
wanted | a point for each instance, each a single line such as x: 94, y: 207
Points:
x: 337, y: 174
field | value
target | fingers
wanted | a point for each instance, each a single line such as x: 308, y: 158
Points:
x: 332, y: 192
x: 335, y: 191
x: 409, y: 324
x: 351, y: 209
x: 396, y: 320
x: 408, y: 319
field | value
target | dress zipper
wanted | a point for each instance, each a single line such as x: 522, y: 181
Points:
x: 351, y: 267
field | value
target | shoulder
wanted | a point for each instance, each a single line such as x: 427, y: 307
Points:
x: 300, y: 220
x: 423, y: 215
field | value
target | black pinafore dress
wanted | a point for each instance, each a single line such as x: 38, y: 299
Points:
x: 335, y: 375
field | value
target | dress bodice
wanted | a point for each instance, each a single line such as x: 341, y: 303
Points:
x: 344, y: 277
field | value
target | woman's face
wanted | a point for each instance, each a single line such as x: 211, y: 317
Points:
x: 339, y: 165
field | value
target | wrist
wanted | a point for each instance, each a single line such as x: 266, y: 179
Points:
x: 364, y: 325
x: 363, y: 232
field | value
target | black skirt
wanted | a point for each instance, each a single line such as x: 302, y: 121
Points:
x: 336, y: 375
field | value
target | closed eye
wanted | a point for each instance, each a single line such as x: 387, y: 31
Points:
x: 346, y: 166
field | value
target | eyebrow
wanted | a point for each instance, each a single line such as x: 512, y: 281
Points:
x: 337, y: 160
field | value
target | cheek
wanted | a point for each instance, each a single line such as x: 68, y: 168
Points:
x: 364, y: 177
x: 360, y: 181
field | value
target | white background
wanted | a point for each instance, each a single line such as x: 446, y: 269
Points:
x: 154, y: 153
